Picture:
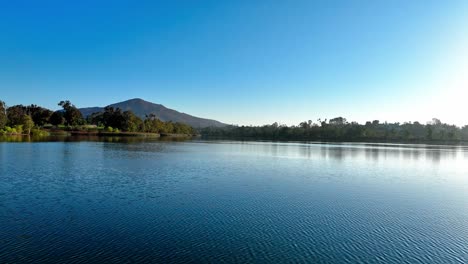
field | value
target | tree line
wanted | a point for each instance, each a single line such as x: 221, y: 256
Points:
x: 20, y: 119
x: 339, y: 129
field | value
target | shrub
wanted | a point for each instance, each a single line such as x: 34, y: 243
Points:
x: 38, y: 132
x: 19, y: 129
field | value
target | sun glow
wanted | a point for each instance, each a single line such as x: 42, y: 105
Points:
x: 449, y: 90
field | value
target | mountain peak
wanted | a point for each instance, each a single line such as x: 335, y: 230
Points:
x: 139, y: 100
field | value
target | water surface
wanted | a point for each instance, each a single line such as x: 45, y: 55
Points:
x: 146, y: 201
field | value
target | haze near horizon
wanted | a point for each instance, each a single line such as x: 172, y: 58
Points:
x: 242, y: 62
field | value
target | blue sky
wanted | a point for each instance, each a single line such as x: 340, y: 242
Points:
x: 242, y: 62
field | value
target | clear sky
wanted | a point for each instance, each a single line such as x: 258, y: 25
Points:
x: 242, y: 62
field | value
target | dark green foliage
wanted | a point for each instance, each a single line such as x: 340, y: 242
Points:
x: 57, y: 118
x: 109, y: 118
x: 338, y: 129
x: 39, y: 115
x: 71, y: 114
x: 464, y: 133
x: 338, y: 121
x: 180, y: 128
x: 154, y: 125
x: 132, y: 123
x: 18, y: 118
x: 15, y: 114
x: 127, y: 121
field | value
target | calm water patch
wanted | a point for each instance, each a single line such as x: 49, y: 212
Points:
x: 146, y: 201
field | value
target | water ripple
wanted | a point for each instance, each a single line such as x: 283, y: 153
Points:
x: 198, y: 202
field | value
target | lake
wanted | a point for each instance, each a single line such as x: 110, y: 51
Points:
x: 152, y: 201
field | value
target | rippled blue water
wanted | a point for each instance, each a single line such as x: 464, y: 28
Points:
x: 234, y: 202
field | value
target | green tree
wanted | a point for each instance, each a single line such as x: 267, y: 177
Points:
x: 126, y: 121
x: 132, y: 123
x: 27, y: 123
x: 113, y: 117
x: 15, y: 114
x: 340, y: 129
x: 464, y: 133
x: 429, y: 132
x: 57, y: 118
x: 71, y: 114
x: 39, y: 115
x: 338, y: 121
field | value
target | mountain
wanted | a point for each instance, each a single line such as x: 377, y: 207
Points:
x: 142, y: 108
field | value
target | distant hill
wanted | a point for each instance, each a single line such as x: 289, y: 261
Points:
x: 142, y: 108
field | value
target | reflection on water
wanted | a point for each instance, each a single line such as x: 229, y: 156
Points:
x: 139, y: 200
x: 85, y: 138
x: 369, y: 151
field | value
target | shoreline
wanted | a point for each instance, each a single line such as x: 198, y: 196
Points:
x: 331, y: 141
x: 142, y: 136
x: 123, y: 134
